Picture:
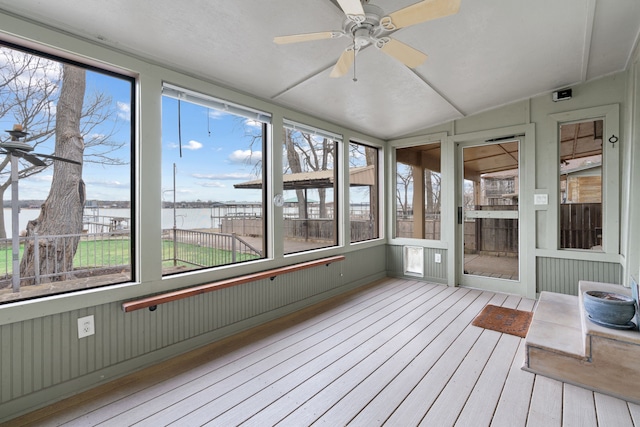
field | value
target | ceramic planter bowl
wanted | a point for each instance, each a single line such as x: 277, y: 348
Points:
x: 609, y: 308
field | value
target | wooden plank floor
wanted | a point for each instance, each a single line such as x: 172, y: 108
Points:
x: 396, y: 352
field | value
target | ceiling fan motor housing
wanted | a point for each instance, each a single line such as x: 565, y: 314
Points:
x: 367, y: 31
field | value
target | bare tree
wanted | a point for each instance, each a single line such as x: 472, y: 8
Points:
x: 61, y: 213
x: 29, y: 90
x: 27, y: 84
x: 404, y: 181
x: 432, y: 192
x: 306, y: 153
x: 294, y: 166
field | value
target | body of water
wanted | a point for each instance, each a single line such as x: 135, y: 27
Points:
x: 184, y: 218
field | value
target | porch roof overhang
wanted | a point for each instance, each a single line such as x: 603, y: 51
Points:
x: 361, y: 176
x: 577, y: 140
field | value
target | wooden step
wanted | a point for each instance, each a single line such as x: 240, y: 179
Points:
x: 556, y: 326
x: 562, y: 343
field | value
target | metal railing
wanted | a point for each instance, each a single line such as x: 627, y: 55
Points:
x: 96, y: 253
x: 205, y: 249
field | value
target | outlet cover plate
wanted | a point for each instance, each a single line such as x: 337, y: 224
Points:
x: 86, y: 327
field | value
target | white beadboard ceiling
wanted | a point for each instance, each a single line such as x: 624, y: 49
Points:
x: 491, y: 53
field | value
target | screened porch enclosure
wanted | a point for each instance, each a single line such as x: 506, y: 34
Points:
x: 313, y: 229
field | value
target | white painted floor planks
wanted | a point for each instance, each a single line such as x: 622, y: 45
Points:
x: 398, y: 353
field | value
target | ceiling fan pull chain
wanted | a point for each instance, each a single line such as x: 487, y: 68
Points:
x: 179, y: 129
x: 355, y: 79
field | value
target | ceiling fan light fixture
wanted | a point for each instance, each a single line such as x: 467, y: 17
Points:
x: 368, y: 24
x: 361, y: 38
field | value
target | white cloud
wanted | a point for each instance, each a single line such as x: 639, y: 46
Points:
x: 192, y: 145
x: 224, y: 176
x: 124, y: 110
x: 245, y: 156
x: 253, y: 123
x: 214, y: 185
x: 216, y: 114
x: 40, y: 178
x: 33, y: 67
x: 107, y: 184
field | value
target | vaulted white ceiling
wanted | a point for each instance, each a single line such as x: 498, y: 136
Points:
x: 491, y: 53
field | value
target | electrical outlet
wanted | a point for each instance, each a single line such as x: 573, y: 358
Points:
x: 86, y: 326
x: 438, y: 258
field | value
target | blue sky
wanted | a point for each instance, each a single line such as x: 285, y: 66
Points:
x: 216, y: 153
x: 216, y: 150
x: 102, y: 182
x: 213, y: 151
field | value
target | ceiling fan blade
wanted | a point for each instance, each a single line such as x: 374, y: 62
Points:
x: 425, y: 10
x: 28, y: 157
x: 344, y: 63
x: 404, y: 53
x: 352, y: 7
x: 296, y: 38
x: 62, y: 159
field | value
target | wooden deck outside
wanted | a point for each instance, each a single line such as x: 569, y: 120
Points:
x: 397, y: 352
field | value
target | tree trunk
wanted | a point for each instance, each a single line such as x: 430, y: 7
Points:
x: 3, y: 230
x: 371, y: 154
x: 61, y: 213
x: 295, y: 167
x: 428, y: 185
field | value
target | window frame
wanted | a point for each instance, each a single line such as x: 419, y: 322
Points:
x: 377, y: 190
x: 610, y: 174
x: 435, y: 139
x: 204, y: 100
x: 338, y: 140
x: 87, y: 64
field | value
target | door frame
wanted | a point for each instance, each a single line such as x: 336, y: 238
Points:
x: 526, y: 285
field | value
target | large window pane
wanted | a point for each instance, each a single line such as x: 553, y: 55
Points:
x: 418, y: 183
x: 363, y: 192
x: 67, y: 210
x: 212, y: 184
x: 581, y: 185
x: 309, y: 191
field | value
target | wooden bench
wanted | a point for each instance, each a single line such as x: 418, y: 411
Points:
x: 153, y: 301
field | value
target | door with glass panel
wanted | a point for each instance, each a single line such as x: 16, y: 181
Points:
x: 488, y: 214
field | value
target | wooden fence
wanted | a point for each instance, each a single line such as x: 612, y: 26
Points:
x: 580, y: 225
x: 316, y: 230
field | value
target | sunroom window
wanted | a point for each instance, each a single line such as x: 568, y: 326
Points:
x: 581, y: 225
x: 418, y: 191
x: 310, y: 188
x: 364, y: 206
x: 588, y: 179
x: 212, y: 181
x: 65, y: 175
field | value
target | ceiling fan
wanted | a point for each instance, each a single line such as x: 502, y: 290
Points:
x: 367, y: 25
x: 23, y: 151
x: 17, y: 149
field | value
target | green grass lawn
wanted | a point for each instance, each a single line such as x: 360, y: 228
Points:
x: 93, y: 253
x: 116, y: 252
x: 200, y: 255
